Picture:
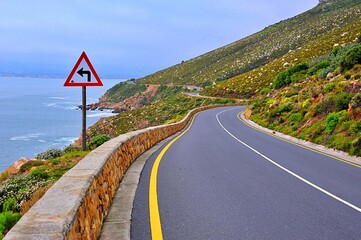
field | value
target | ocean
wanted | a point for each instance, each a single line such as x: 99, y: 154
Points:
x: 37, y: 114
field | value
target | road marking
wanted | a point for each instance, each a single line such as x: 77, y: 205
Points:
x: 285, y: 169
x: 305, y: 147
x: 154, y: 216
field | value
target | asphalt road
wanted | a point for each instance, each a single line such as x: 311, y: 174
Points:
x: 225, y: 180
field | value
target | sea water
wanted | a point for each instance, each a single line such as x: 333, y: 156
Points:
x: 37, y: 114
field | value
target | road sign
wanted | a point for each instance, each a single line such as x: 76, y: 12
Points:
x: 83, y: 74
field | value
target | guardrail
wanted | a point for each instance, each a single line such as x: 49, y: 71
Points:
x: 76, y: 205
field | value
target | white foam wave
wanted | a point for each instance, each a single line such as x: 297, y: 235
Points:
x: 60, y: 98
x: 27, y: 137
x: 66, y: 140
x: 102, y: 114
x: 51, y: 105
x: 62, y: 105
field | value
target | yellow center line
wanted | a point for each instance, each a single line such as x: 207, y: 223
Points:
x: 154, y: 216
x: 302, y: 146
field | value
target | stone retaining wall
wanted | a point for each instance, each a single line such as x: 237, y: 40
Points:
x: 75, y: 207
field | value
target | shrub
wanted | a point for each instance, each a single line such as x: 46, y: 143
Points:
x: 72, y: 148
x: 296, y: 77
x: 351, y: 58
x: 264, y: 91
x: 320, y: 65
x: 285, y: 77
x: 356, y: 147
x: 324, y: 107
x: 37, y: 173
x: 268, y: 101
x: 306, y: 103
x: 25, y: 167
x: 98, y: 140
x: 291, y: 94
x: 342, y: 100
x: 8, y: 220
x: 286, y: 100
x: 49, y: 154
x: 9, y: 205
x: 295, y: 117
x: 329, y: 87
x: 19, y: 188
x: 331, y: 122
x: 55, y: 161
x: 356, y: 127
x: 287, y: 107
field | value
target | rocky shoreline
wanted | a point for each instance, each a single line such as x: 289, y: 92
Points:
x: 138, y: 100
x: 15, y: 167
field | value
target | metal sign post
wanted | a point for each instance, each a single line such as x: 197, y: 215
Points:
x: 83, y: 131
x: 79, y: 81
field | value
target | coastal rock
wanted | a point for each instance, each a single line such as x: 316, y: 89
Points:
x: 330, y: 75
x: 248, y: 113
x: 354, y: 106
x: 136, y: 101
x: 15, y: 168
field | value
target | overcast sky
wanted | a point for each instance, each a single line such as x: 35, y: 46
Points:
x: 128, y: 38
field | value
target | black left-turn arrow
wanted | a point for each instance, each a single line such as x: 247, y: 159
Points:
x: 81, y: 72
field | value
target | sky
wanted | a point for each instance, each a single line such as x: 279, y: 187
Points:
x: 127, y: 39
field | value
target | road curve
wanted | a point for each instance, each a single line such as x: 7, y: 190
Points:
x: 224, y: 180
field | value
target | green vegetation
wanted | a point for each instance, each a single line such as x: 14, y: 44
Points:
x: 324, y: 106
x: 49, y: 154
x: 331, y: 122
x: 124, y: 90
x: 15, y: 191
x: 351, y: 58
x: 168, y: 106
x: 97, y: 141
x: 7, y: 220
x: 290, y: 75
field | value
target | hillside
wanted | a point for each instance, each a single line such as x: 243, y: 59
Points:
x: 263, y: 47
x: 318, y: 101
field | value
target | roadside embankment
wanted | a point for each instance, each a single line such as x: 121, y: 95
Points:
x: 340, y: 155
x: 76, y: 205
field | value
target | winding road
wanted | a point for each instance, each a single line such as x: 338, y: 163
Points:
x: 221, y: 179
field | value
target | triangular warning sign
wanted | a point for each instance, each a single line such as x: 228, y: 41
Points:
x: 83, y: 74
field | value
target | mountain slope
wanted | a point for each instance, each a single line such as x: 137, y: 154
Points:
x: 319, y: 101
x: 263, y: 47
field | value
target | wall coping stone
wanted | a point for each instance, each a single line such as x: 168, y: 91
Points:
x: 53, y: 216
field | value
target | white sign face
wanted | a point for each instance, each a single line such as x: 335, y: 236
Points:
x: 83, y: 74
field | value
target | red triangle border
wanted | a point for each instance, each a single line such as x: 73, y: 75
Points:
x: 68, y: 82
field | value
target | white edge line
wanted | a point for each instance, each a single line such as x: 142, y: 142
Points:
x: 285, y: 169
